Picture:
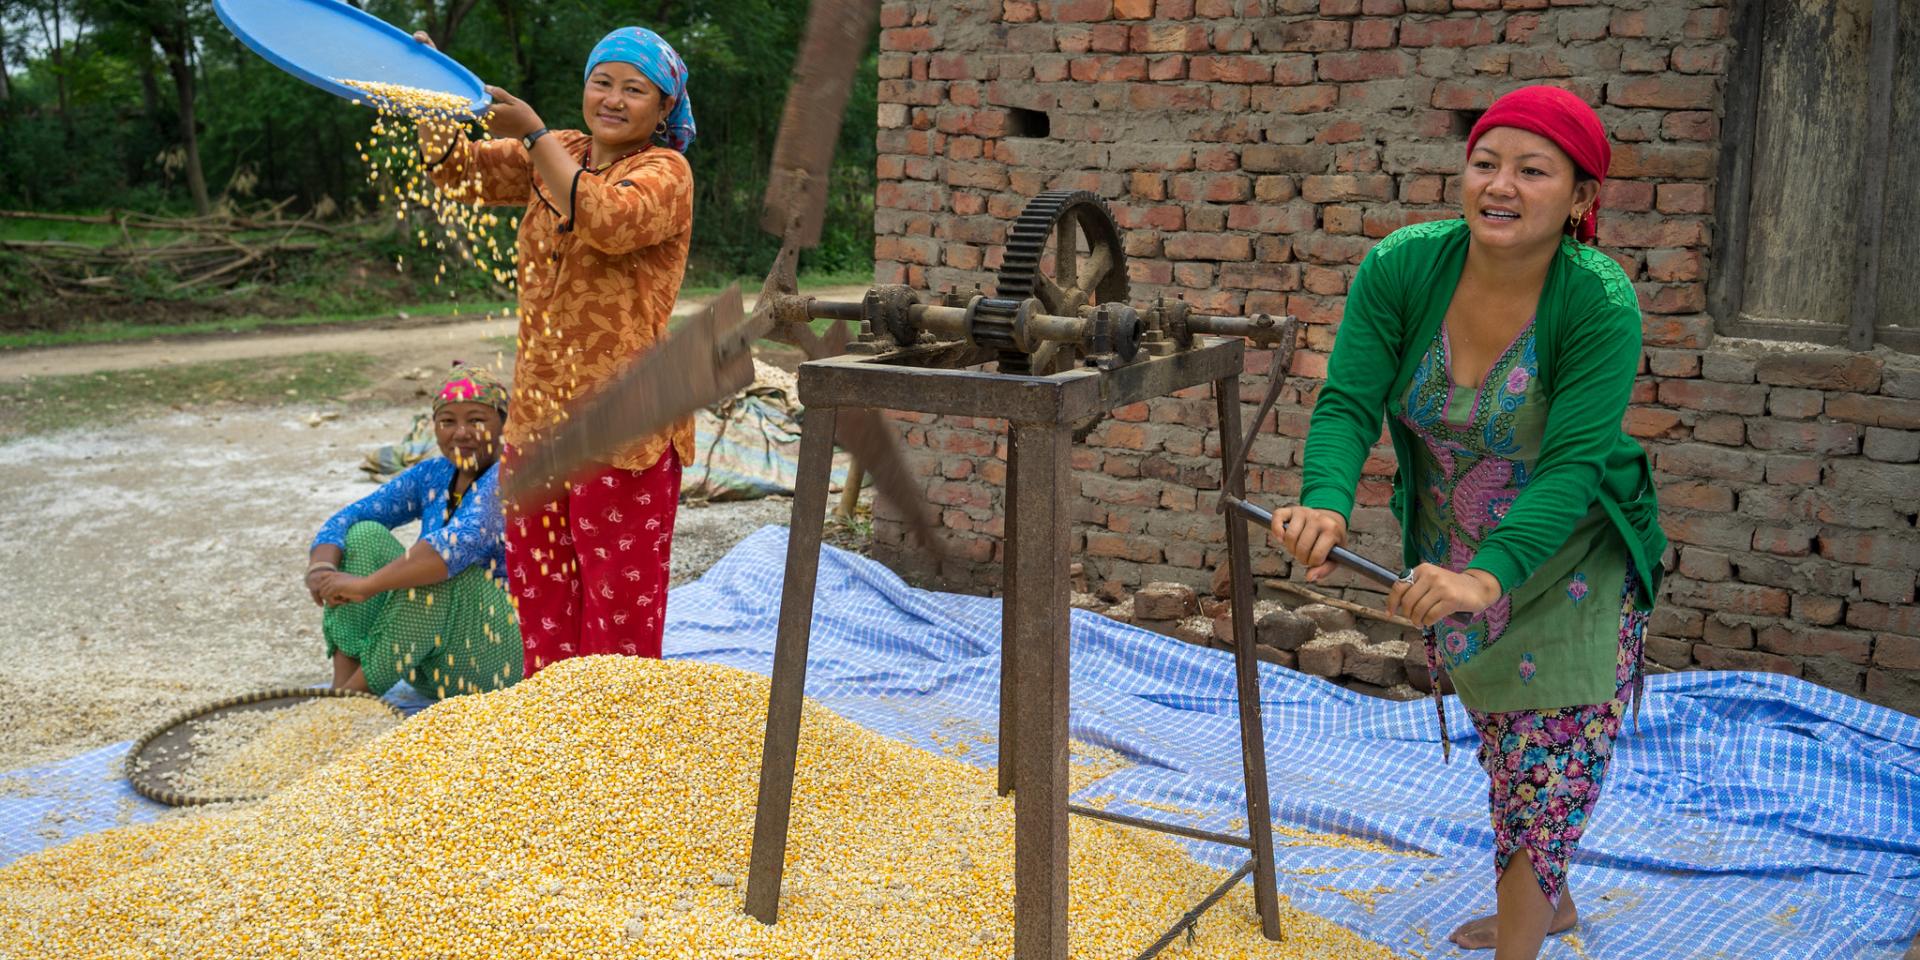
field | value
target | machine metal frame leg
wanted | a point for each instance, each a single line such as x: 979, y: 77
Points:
x: 1035, y: 653
x: 775, y: 806
x: 1009, y: 585
x: 1246, y: 669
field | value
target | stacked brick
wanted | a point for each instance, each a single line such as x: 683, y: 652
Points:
x: 1254, y: 150
x: 1372, y: 655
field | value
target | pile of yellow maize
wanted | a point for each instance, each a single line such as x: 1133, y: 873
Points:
x: 603, y: 809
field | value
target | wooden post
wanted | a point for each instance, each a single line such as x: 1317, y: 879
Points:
x: 1733, y: 197
x: 850, y: 491
x: 1865, y: 311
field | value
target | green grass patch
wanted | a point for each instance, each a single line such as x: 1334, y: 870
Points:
x: 96, y: 234
x: 118, y: 332
x: 108, y: 234
x: 46, y: 404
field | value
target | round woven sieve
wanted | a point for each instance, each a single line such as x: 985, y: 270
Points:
x: 169, y: 747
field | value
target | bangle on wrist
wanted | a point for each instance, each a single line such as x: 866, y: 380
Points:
x: 322, y: 565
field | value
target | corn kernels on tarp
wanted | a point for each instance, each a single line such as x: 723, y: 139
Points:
x: 603, y: 809
x: 1752, y: 814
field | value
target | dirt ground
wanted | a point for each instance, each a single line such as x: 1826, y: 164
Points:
x: 154, y: 564
x: 420, y: 340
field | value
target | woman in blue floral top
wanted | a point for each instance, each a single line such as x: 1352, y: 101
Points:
x: 436, y: 614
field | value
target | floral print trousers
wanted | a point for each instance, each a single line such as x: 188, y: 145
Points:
x: 589, y: 570
x: 1545, y: 767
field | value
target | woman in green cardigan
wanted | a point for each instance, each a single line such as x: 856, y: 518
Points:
x: 1502, y: 349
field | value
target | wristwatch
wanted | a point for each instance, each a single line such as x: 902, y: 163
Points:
x: 531, y: 137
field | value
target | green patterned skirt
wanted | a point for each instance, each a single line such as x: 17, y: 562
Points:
x: 456, y: 636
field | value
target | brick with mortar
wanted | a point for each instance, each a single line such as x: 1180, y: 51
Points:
x: 1899, y: 414
x: 1899, y: 689
x: 1824, y: 439
x: 1897, y: 652
x: 1716, y: 658
x: 1887, y: 586
x: 1892, y: 446
x: 1834, y: 674
x: 1821, y: 370
x: 1720, y: 428
x: 1902, y: 619
x: 1702, y: 460
x: 1848, y: 646
x: 1727, y: 367
x: 1669, y: 652
x: 1879, y: 482
x: 1795, y: 403
x: 1673, y: 621
x: 1381, y: 664
x: 1706, y: 395
x: 1326, y: 656
x: 1694, y: 495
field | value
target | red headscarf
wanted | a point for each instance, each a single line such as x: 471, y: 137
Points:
x: 1566, y: 120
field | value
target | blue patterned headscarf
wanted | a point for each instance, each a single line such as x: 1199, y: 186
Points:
x: 660, y: 65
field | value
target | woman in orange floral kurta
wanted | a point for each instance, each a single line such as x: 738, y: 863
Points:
x: 601, y: 252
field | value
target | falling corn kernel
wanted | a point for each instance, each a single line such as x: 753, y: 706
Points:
x: 392, y: 151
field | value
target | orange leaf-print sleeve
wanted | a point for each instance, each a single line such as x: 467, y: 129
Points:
x: 491, y: 172
x: 647, y: 206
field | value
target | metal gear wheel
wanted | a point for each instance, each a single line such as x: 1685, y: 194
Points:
x: 1088, y: 266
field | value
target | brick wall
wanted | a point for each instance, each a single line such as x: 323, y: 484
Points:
x: 1254, y: 150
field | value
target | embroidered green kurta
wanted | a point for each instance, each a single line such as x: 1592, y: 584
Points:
x: 1584, y: 505
x: 1477, y: 453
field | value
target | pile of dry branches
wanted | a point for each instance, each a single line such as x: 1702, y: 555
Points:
x: 212, y: 251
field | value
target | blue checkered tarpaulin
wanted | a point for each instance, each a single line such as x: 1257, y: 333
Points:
x: 1752, y: 816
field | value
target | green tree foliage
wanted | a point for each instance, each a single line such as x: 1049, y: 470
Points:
x: 119, y: 77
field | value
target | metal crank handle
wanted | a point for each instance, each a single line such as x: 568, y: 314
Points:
x: 1341, y: 555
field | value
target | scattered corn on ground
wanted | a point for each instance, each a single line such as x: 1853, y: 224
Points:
x: 604, y: 809
x: 252, y: 752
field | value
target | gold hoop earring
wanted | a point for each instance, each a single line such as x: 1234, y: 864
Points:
x: 660, y: 129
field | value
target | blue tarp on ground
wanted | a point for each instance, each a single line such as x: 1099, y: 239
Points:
x: 45, y: 805
x: 1752, y: 816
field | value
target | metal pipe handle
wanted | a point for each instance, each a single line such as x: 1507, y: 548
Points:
x: 1341, y: 555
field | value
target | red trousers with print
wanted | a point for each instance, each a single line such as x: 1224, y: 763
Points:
x: 588, y: 572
